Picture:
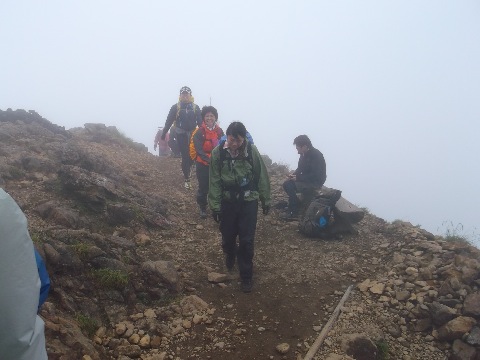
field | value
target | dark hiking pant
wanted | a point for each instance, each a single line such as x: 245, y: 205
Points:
x: 239, y: 219
x: 183, y: 141
x: 172, y: 143
x: 292, y: 187
x: 202, y: 177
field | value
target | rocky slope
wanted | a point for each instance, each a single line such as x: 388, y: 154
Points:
x: 136, y: 274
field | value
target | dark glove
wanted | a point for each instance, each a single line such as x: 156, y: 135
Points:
x: 266, y: 209
x: 164, y: 134
x: 217, y: 216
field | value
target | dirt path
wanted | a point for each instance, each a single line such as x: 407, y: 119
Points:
x: 297, y: 281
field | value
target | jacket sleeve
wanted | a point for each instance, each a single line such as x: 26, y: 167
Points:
x: 215, y: 181
x: 198, y: 140
x: 172, y: 114
x: 262, y: 175
x: 198, y: 116
x: 22, y: 332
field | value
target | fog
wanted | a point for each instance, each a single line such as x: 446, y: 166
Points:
x: 388, y: 91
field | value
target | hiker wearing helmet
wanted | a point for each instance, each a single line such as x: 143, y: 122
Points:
x: 309, y: 176
x: 238, y: 180
x: 184, y: 116
x: 204, y: 141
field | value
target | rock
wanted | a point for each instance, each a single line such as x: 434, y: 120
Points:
x: 145, y: 342
x: 217, y: 277
x: 192, y: 304
x: 462, y: 351
x: 161, y: 271
x: 441, y: 313
x: 474, y: 337
x: 471, y: 305
x: 377, y: 288
x: 456, y: 328
x: 282, y: 348
x: 142, y: 239
x: 359, y: 346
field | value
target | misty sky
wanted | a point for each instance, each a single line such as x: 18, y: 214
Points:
x: 388, y: 91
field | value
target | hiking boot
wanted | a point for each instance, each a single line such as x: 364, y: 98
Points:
x: 247, y: 285
x: 203, y: 213
x: 187, y: 184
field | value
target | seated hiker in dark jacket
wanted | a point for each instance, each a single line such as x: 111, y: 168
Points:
x: 309, y: 175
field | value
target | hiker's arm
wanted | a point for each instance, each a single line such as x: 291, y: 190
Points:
x: 215, y: 181
x: 198, y: 140
x: 172, y: 114
x: 263, y: 178
x: 198, y: 116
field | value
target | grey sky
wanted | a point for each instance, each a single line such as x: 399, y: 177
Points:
x: 388, y: 91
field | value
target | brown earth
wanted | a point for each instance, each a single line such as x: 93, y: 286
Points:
x: 297, y: 281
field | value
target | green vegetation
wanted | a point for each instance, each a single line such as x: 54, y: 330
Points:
x: 139, y: 216
x: 111, y: 279
x: 455, y: 233
x: 38, y: 237
x: 87, y: 324
x: 16, y: 173
x: 382, y: 347
x: 81, y: 249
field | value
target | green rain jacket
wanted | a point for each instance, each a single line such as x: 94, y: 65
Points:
x: 234, y: 179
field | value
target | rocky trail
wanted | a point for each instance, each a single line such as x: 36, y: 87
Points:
x: 136, y: 274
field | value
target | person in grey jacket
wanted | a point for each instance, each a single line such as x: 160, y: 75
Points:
x: 22, y: 334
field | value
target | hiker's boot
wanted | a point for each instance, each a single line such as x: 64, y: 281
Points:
x: 187, y: 184
x: 203, y: 213
x: 247, y: 285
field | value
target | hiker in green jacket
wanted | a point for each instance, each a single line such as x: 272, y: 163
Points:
x: 238, y: 179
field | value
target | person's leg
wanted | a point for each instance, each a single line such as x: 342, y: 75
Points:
x: 291, y: 190
x: 229, y: 230
x: 183, y: 145
x: 172, y: 143
x: 247, y: 224
x: 202, y: 177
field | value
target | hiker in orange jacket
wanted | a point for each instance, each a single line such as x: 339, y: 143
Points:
x: 204, y: 140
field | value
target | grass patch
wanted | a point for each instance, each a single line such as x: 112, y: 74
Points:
x: 382, y: 347
x: 81, y: 249
x: 111, y: 279
x: 38, y: 237
x: 15, y: 173
x: 455, y: 233
x: 88, y: 325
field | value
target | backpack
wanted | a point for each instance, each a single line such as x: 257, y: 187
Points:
x: 191, y: 147
x: 319, y: 216
x: 253, y: 185
x: 178, y: 120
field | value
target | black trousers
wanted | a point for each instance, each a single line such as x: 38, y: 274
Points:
x: 291, y: 187
x: 202, y: 177
x: 239, y: 219
x: 183, y: 141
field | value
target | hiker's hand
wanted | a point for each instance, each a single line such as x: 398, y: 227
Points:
x: 163, y: 136
x: 266, y: 209
x: 217, y: 216
x: 155, y: 146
